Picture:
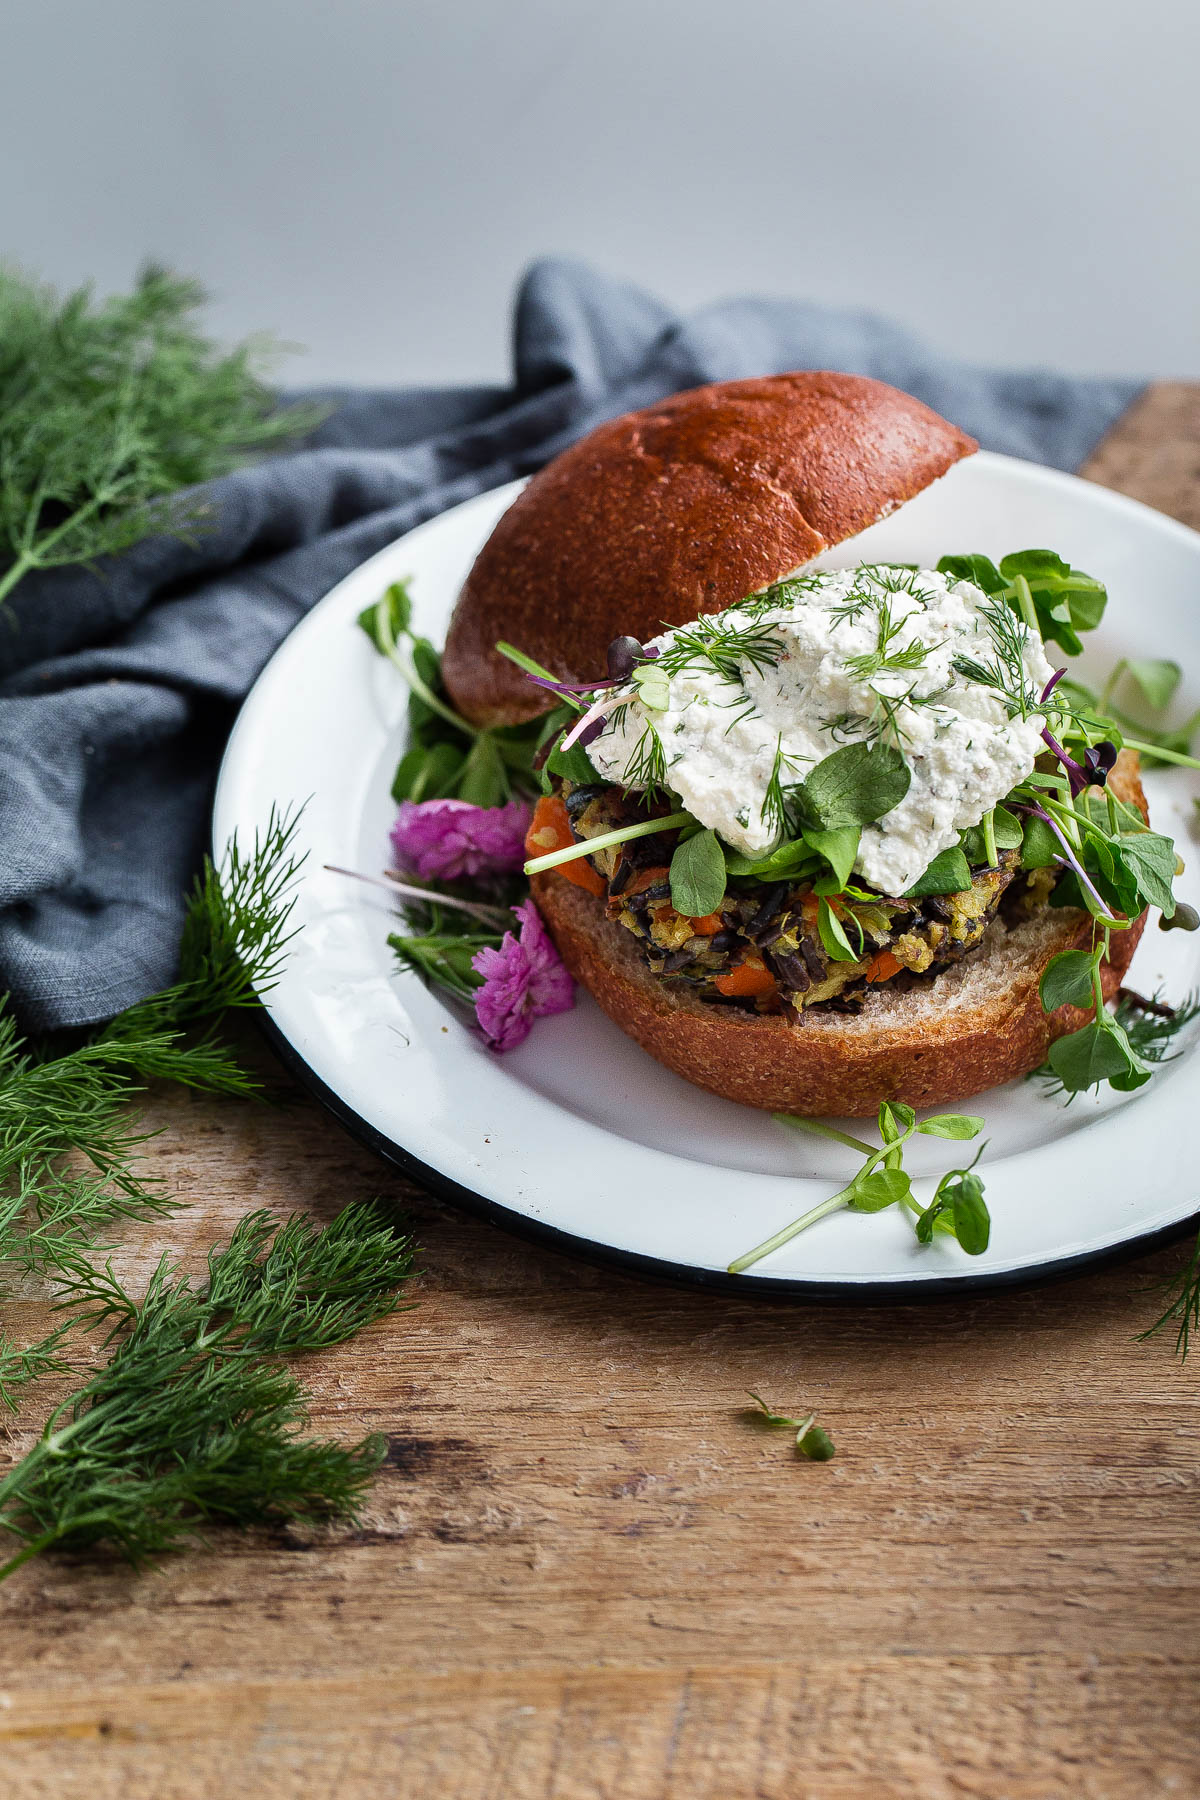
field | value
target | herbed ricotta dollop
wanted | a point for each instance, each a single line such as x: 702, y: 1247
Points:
x: 725, y: 730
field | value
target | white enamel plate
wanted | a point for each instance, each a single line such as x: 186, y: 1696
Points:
x: 579, y: 1136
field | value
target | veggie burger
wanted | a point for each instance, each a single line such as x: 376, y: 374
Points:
x: 799, y: 833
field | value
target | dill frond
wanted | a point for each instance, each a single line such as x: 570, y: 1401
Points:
x: 725, y: 648
x: 647, y: 764
x: 194, y: 1419
x: 1183, y: 1309
x: 1005, y: 672
x: 235, y: 936
x: 110, y: 409
x: 58, y: 1111
x: 774, y: 809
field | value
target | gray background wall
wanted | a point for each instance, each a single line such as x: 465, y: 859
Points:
x: 1016, y: 179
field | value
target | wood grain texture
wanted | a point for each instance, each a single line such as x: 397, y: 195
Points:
x: 585, y: 1576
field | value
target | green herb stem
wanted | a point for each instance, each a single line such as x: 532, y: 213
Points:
x: 1028, y: 611
x: 822, y: 1130
x: 604, y: 841
x: 821, y: 1211
x: 1163, y: 755
x: 386, y: 639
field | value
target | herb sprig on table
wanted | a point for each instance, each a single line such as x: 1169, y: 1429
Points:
x: 194, y: 1416
x: 109, y: 409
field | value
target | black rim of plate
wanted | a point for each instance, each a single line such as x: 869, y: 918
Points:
x: 659, y: 1269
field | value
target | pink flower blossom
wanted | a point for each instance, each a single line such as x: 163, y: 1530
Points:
x: 522, y: 981
x: 445, y: 840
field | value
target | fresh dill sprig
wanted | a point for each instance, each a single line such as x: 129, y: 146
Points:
x: 69, y: 1143
x: 850, y: 610
x: 194, y: 1419
x: 782, y: 594
x: 109, y: 409
x: 723, y: 647
x: 1005, y: 672
x: 19, y: 1369
x: 882, y: 723
x: 235, y: 935
x: 774, y: 809
x: 1183, y: 1309
x: 646, y: 766
x: 883, y: 660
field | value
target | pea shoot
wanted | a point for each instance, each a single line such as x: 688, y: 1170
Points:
x: 811, y: 1440
x: 957, y: 1209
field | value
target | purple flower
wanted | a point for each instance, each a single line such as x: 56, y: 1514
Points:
x: 1098, y: 760
x: 522, y: 981
x: 445, y: 840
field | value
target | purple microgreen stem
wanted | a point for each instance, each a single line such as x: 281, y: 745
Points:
x: 1072, y: 860
x: 393, y: 884
x: 595, y: 715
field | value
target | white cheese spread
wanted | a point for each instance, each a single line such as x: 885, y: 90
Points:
x: 849, y: 655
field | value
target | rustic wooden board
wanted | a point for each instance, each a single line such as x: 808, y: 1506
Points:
x: 585, y: 1577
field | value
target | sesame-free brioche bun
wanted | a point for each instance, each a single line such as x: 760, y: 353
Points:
x: 977, y: 1024
x: 683, y: 508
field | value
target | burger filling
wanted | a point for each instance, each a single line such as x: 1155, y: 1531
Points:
x: 801, y: 798
x: 762, y: 947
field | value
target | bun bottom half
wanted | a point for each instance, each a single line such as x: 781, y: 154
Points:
x: 979, y: 1024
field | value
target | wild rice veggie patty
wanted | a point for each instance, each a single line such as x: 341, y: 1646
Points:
x: 762, y: 949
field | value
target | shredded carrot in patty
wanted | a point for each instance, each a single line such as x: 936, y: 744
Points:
x: 882, y: 967
x: 708, y: 926
x: 550, y: 829
x: 746, y: 979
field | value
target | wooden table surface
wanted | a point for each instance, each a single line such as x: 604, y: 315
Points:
x: 583, y: 1577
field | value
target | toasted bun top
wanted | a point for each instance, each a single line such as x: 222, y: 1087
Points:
x: 682, y: 509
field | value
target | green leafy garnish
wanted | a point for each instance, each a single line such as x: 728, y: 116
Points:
x: 958, y: 1207
x: 839, y: 848
x: 882, y: 1181
x: 811, y: 1439
x: 853, y: 786
x: 1157, y: 680
x: 1067, y: 980
x: 109, y: 410
x: 194, y: 1419
x: 448, y: 757
x: 832, y: 934
x: 698, y: 875
x: 1135, y: 1038
x: 1054, y: 599
x: 948, y: 873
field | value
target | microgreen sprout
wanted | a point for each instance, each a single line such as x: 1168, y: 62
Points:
x: 811, y: 1440
x: 605, y: 839
x: 957, y: 1207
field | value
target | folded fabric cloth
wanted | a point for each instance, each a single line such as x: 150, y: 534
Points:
x: 119, y: 684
